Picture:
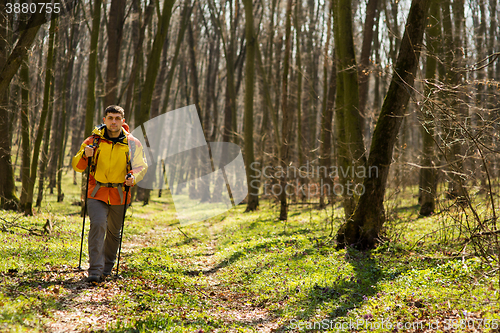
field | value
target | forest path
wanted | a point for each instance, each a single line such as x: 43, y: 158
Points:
x: 86, y: 307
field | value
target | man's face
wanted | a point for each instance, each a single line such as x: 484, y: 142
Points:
x: 114, y: 122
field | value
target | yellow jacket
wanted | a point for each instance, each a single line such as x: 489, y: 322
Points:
x: 111, y: 163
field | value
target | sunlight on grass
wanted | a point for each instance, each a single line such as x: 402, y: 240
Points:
x: 218, y: 274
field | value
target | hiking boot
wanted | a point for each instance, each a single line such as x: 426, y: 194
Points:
x: 93, y: 278
x: 105, y: 275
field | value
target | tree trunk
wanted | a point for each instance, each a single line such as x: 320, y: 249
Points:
x: 94, y: 38
x: 173, y: 63
x: 203, y: 190
x: 48, y: 130
x: 326, y: 140
x: 452, y: 48
x: 138, y: 33
x: 428, y: 172
x: 298, y: 31
x: 362, y: 230
x: 8, y: 198
x: 154, y: 61
x: 285, y: 130
x: 364, y: 61
x: 45, y: 108
x: 13, y: 62
x: 115, y: 33
x: 325, y: 146
x: 25, y: 133
x: 68, y: 74
x: 56, y: 125
x: 351, y: 149
x: 152, y: 71
x: 193, y: 73
x: 251, y: 38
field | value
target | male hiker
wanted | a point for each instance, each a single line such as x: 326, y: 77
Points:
x: 115, y: 154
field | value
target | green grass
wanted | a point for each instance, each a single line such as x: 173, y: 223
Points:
x: 226, y: 273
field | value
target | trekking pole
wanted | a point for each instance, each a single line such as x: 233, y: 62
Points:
x: 123, y: 224
x: 84, y: 212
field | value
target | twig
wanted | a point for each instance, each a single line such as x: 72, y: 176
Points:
x: 182, y: 232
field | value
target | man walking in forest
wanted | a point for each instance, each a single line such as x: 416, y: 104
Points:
x: 115, y: 154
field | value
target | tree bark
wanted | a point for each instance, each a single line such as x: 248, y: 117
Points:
x: 44, y: 160
x: 25, y: 134
x: 68, y: 74
x: 364, y: 61
x: 285, y: 130
x: 173, y: 63
x: 94, y: 38
x: 325, y: 145
x: 13, y: 62
x: 428, y: 172
x: 251, y: 38
x: 9, y: 67
x: 298, y: 31
x: 115, y: 33
x: 152, y: 71
x: 45, y: 109
x: 453, y: 59
x: 138, y: 33
x: 154, y: 61
x: 8, y: 198
x: 362, y: 230
x: 351, y: 149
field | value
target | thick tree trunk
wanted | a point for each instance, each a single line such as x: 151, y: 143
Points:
x: 351, y: 149
x: 362, y: 230
x: 8, y: 199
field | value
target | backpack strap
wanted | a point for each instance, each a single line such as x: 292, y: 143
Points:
x: 95, y: 144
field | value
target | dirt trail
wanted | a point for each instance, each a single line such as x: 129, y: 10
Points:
x: 86, y: 307
x: 232, y: 307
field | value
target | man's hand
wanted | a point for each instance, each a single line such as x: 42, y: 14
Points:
x: 89, y: 151
x: 129, y: 180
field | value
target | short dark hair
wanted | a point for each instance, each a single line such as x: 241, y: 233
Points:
x: 114, y: 109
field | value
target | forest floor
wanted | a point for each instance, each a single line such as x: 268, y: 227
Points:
x: 243, y: 272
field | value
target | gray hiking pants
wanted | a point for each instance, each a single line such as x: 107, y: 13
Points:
x: 104, y: 235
